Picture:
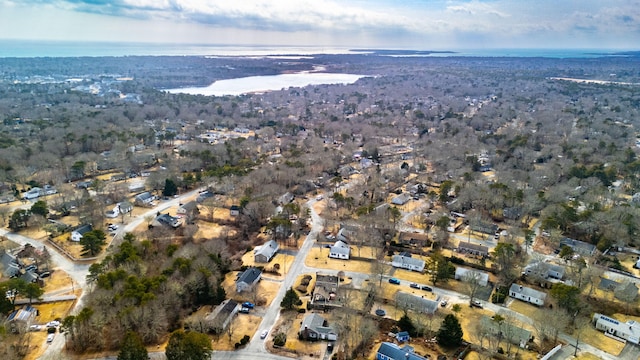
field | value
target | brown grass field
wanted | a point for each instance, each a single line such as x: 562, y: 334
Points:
x: 243, y: 324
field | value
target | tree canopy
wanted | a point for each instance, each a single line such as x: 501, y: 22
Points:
x: 132, y: 348
x: 188, y: 346
x: 450, y: 332
x: 92, y: 242
x: 290, y: 300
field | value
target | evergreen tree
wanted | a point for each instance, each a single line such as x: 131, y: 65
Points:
x: 170, y: 188
x: 132, y: 348
x: 190, y: 345
x: 92, y: 242
x: 40, y: 208
x: 405, y: 324
x: 450, y: 333
x: 290, y: 300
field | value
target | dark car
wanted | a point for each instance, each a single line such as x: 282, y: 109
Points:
x: 426, y: 288
x: 394, y: 281
x: 414, y: 285
x: 381, y: 312
x: 248, y: 305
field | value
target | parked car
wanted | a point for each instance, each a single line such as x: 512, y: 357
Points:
x: 414, y: 285
x: 264, y: 334
x: 245, y: 310
x: 50, y: 338
x: 31, y: 267
x: 394, y: 281
x: 45, y: 274
x: 476, y: 303
x: 426, y: 288
x: 381, y: 312
x: 443, y: 303
x: 248, y: 305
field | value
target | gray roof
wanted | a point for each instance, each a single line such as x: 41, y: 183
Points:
x: 526, y: 291
x: 407, y: 260
x: 416, y: 303
x: 395, y: 352
x: 267, y: 249
x: 464, y: 245
x: 315, y: 322
x: 144, y: 196
x: 83, y: 229
x: 249, y: 276
x: 190, y: 206
x: 509, y: 332
x: 340, y: 247
x: 579, y: 247
x: 9, y: 264
x: 607, y: 284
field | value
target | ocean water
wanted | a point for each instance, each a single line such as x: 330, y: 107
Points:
x: 27, y: 48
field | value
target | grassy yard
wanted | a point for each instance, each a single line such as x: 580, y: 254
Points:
x: 242, y: 324
x: 300, y: 346
x: 263, y: 292
x: 319, y: 258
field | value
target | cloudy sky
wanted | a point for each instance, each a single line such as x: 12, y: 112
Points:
x: 418, y: 24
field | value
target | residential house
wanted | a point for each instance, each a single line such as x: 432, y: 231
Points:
x: 413, y: 239
x: 504, y: 330
x: 189, y: 210
x: 78, y: 233
x: 286, y: 198
x: 264, y: 253
x: 234, y: 210
x: 402, y: 336
x: 629, y: 331
x: 324, y: 292
x: 20, y: 320
x: 247, y: 279
x: 416, y: 303
x: 579, y: 247
x: 339, y: 250
x: 391, y: 351
x: 401, y: 199
x: 167, y: 220
x: 484, y: 227
x: 465, y: 247
x: 347, y: 232
x: 314, y: 327
x: 144, y: 199
x: 545, y: 271
x: 465, y: 274
x: 125, y: 207
x: 9, y: 264
x: 405, y: 261
x: 623, y: 291
x: 30, y: 277
x: 136, y: 187
x: 527, y: 294
x: 204, y: 196
x: 222, y: 315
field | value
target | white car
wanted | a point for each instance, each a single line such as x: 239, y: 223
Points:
x: 264, y: 334
x: 50, y: 338
x: 319, y: 197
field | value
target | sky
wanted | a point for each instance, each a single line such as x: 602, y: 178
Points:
x: 414, y: 24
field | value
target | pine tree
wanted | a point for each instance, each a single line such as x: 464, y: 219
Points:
x: 132, y: 348
x: 405, y: 324
x: 450, y: 333
x: 290, y: 300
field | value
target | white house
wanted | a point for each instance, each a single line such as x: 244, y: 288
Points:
x: 78, y: 233
x: 629, y: 331
x: 339, y: 250
x: 264, y: 253
x: 465, y: 274
x: 144, y: 199
x: 527, y: 294
x: 405, y: 261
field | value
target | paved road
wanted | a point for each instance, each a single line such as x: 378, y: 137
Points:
x: 270, y: 317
